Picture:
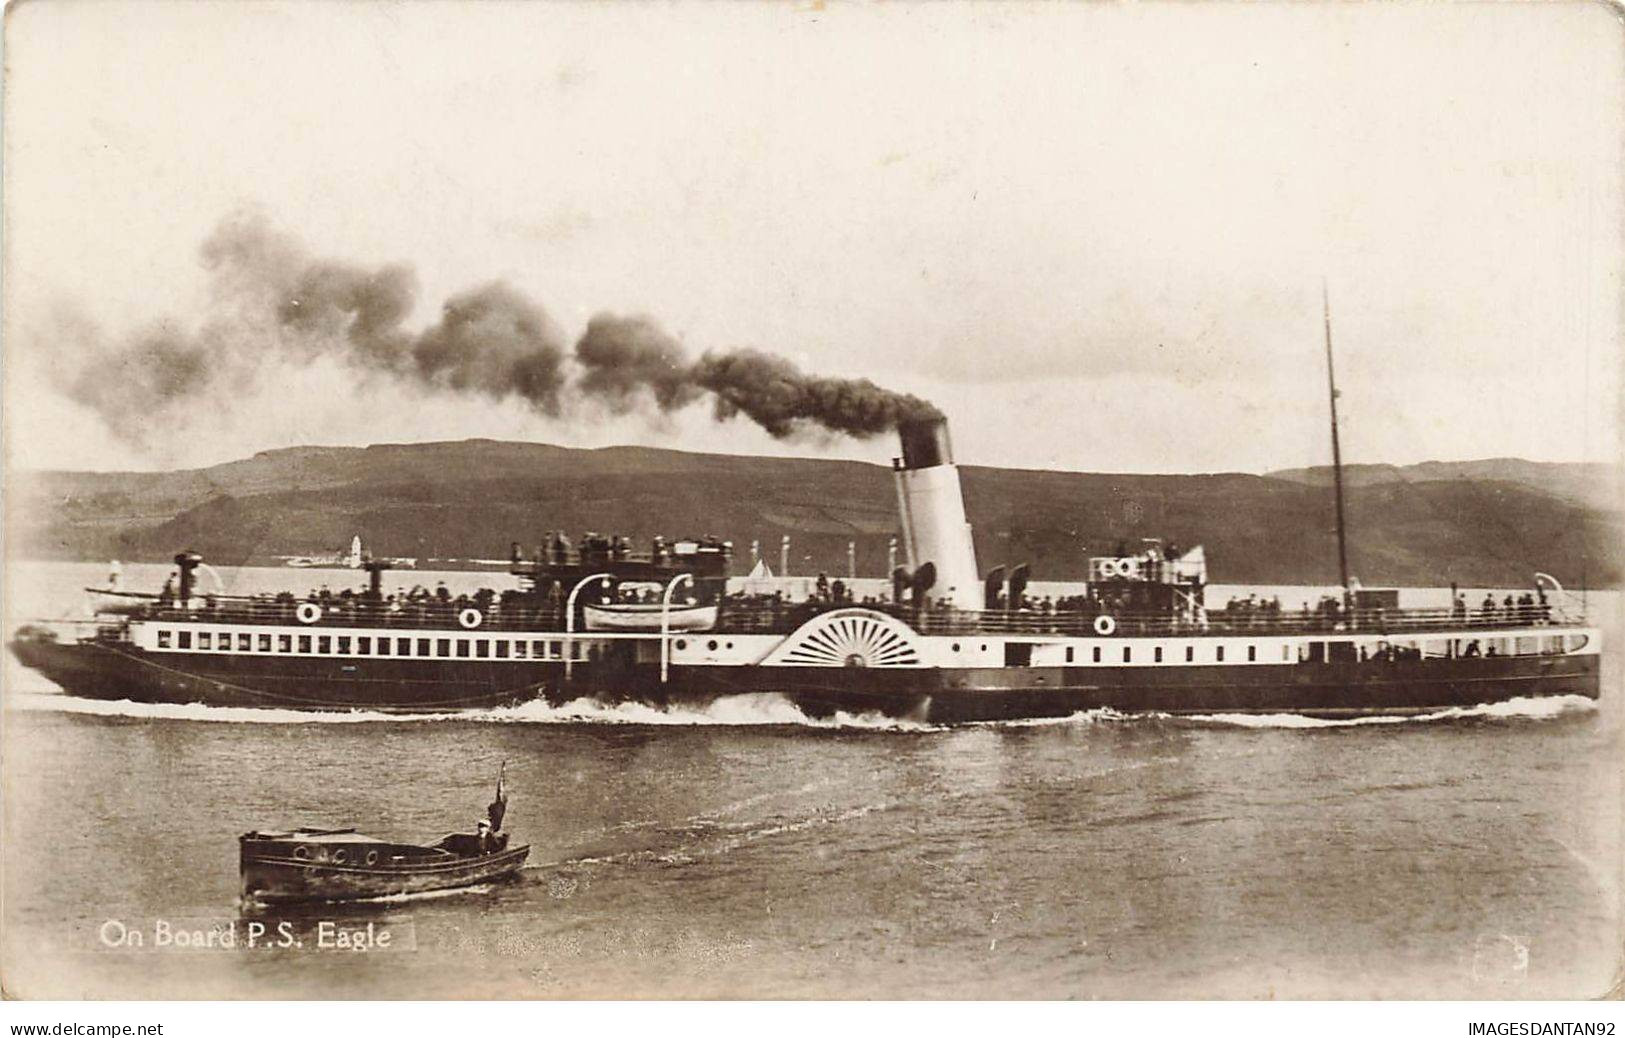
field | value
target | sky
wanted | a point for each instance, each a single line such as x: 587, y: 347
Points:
x: 1095, y: 236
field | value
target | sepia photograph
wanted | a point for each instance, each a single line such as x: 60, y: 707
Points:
x: 812, y: 501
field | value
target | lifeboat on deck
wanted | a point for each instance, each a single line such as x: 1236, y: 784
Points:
x: 645, y: 616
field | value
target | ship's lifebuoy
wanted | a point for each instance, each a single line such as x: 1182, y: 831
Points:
x: 302, y: 852
x: 340, y: 855
x: 372, y: 857
x: 308, y: 612
x: 470, y: 618
x: 1105, y: 625
x: 1129, y: 568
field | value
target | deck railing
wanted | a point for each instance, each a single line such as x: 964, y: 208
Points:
x: 360, y: 612
x: 965, y: 622
x: 781, y: 617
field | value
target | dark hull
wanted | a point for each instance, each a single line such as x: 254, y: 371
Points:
x: 101, y: 671
x: 276, y: 880
x: 945, y: 696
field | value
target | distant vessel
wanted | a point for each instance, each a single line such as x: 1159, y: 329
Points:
x: 344, y: 560
x: 351, y: 559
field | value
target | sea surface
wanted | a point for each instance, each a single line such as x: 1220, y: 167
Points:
x: 746, y: 851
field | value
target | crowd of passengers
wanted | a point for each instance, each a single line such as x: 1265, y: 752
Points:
x: 420, y: 603
x: 775, y: 607
x: 556, y: 548
x: 416, y: 603
x: 1078, y: 612
x: 1526, y: 608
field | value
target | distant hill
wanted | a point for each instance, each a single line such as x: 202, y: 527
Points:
x: 1594, y: 485
x: 1484, y: 523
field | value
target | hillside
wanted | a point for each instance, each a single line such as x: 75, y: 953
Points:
x: 1476, y: 523
x: 1594, y: 485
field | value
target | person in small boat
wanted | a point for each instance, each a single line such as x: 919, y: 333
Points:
x: 483, y: 840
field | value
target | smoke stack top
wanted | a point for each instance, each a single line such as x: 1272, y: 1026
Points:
x: 925, y: 442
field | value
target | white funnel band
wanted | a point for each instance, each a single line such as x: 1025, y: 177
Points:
x: 935, y: 531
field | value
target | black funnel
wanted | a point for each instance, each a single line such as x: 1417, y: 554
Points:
x: 925, y: 443
x: 186, y: 562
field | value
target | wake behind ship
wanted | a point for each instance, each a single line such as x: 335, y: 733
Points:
x: 947, y: 645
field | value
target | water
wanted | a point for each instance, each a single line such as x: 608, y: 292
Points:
x: 746, y: 851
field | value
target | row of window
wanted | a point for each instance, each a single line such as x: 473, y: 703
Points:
x: 1016, y: 653
x: 1190, y: 654
x: 1350, y: 652
x: 369, y: 645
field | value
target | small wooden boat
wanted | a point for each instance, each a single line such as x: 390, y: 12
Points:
x: 311, y: 864
x: 645, y: 616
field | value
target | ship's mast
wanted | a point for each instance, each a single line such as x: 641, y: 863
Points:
x: 1337, y: 454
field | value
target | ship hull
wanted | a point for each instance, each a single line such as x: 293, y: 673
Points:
x: 933, y: 695
x: 100, y: 671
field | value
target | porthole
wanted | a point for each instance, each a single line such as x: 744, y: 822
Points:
x: 711, y: 645
x: 302, y: 852
x: 681, y: 643
x: 729, y: 645
x: 372, y: 857
x: 956, y: 646
x: 340, y: 855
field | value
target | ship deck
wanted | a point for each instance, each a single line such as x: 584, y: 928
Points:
x: 780, y: 617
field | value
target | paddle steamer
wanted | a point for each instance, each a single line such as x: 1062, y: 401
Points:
x: 946, y: 645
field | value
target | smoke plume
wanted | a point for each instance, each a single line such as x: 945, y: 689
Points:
x: 271, y: 302
x: 621, y: 356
